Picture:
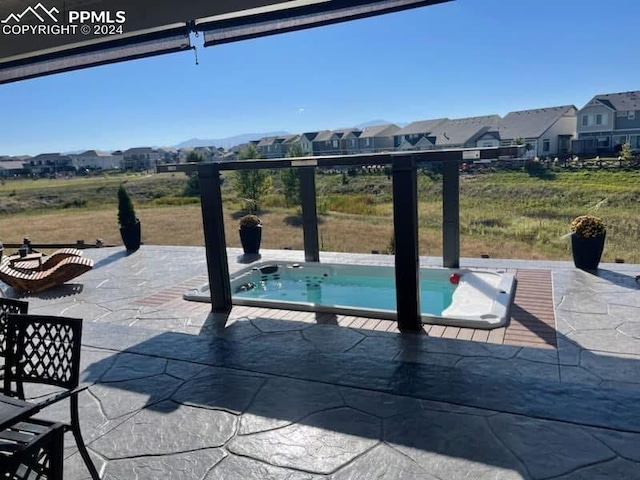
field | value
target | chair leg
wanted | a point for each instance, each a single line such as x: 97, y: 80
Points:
x: 75, y: 427
x: 57, y: 454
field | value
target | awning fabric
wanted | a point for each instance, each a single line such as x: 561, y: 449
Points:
x: 117, y: 50
x: 41, y: 37
x: 298, y: 17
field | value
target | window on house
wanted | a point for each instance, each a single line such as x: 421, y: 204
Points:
x: 335, y: 144
x: 621, y: 113
x: 546, y: 145
x: 585, y: 120
x: 599, y: 119
x: 631, y: 115
x: 603, y: 142
x: 367, y: 142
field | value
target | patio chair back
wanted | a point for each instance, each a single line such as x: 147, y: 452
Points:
x: 7, y: 306
x: 42, y: 349
x: 45, y: 349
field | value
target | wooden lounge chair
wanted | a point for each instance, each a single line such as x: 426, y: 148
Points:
x: 37, y: 281
x: 48, y: 261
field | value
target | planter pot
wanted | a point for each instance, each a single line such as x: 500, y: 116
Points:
x: 131, y: 236
x: 250, y: 237
x: 587, y: 251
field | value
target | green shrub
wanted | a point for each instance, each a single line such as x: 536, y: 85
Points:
x: 126, y: 212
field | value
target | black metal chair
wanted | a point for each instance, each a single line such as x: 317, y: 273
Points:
x: 32, y: 451
x: 46, y: 350
x: 7, y: 306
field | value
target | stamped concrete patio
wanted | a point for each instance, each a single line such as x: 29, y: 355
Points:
x: 178, y: 393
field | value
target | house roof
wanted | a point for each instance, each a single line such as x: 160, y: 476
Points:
x: 289, y: 139
x: 139, y: 150
x: 345, y: 132
x: 421, y: 126
x: 12, y: 164
x: 44, y: 156
x: 323, y: 136
x: 385, y: 130
x: 462, y: 130
x: 530, y: 123
x: 93, y: 153
x: 311, y: 136
x: 264, y: 141
x: 621, y: 101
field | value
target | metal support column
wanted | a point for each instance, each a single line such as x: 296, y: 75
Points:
x: 309, y: 214
x: 451, y: 212
x: 214, y: 238
x: 405, y: 228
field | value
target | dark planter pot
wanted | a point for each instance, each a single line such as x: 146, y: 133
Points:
x: 131, y: 236
x: 587, y: 251
x: 250, y: 237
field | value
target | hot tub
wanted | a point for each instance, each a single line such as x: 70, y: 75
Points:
x: 457, y: 297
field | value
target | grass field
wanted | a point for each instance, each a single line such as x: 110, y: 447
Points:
x: 503, y: 214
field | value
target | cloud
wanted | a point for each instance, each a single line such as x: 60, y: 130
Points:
x: 301, y: 111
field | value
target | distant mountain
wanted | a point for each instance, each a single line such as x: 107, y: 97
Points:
x: 227, y: 142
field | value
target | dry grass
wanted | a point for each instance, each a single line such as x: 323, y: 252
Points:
x: 182, y: 225
x: 504, y: 215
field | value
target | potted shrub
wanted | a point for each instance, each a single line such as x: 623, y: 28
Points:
x: 588, y: 234
x: 250, y: 233
x: 129, y: 223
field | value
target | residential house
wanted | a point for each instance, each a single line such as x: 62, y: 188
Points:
x: 207, y: 154
x: 169, y: 154
x: 377, y: 138
x: 349, y: 144
x: 305, y: 141
x: 544, y: 131
x: 336, y: 142
x: 271, y: 147
x: 608, y: 121
x: 288, y: 141
x: 241, y: 147
x: 414, y: 136
x: 11, y: 167
x: 324, y: 145
x: 462, y: 132
x: 96, y: 160
x: 51, y: 164
x: 141, y: 158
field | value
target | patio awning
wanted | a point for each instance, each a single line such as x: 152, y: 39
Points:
x: 296, y: 15
x: 109, y: 51
x: 41, y: 38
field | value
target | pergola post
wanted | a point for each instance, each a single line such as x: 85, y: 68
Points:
x: 451, y: 211
x: 405, y: 228
x: 309, y: 214
x: 214, y: 237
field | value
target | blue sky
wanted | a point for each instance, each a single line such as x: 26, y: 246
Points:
x: 463, y: 58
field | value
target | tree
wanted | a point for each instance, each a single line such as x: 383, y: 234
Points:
x: 252, y: 185
x: 126, y: 212
x: 290, y: 178
x: 626, y: 154
x: 194, y: 157
x: 192, y: 188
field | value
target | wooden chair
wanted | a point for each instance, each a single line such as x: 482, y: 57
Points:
x: 48, y: 261
x: 31, y: 451
x: 38, y: 281
x: 31, y: 359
